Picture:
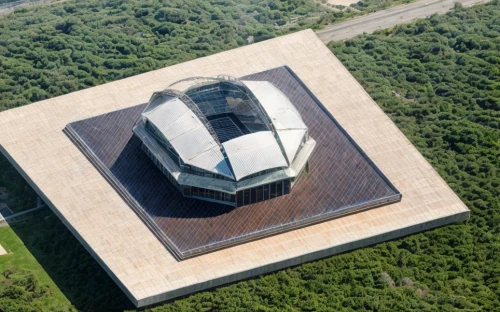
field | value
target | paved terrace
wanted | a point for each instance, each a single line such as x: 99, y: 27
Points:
x: 33, y: 140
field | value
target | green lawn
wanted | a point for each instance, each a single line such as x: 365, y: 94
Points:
x: 25, y: 280
x: 43, y: 247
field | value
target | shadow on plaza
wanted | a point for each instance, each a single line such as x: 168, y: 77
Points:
x: 80, y: 278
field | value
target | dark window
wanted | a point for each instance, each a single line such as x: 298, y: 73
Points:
x: 187, y: 191
x: 196, y: 191
x: 260, y: 194
x: 279, y: 188
x: 239, y: 199
x: 273, y: 190
x: 218, y: 196
x: 246, y: 197
x: 266, y: 192
x: 210, y: 194
x: 253, y: 194
x: 203, y: 192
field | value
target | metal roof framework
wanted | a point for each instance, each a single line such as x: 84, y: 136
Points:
x: 179, y: 126
x: 287, y: 121
x: 182, y: 124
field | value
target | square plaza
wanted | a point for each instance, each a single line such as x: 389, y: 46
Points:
x: 33, y: 140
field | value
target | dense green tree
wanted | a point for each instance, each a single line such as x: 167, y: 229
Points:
x: 50, y: 50
x: 19, y: 291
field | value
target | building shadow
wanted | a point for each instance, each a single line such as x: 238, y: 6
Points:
x: 149, y: 187
x: 79, y: 277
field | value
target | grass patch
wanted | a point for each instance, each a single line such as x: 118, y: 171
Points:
x: 42, y: 245
x: 25, y: 280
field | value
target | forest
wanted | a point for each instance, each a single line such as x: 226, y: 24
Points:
x: 437, y: 78
x: 46, y: 51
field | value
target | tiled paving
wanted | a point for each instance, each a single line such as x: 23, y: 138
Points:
x: 32, y: 139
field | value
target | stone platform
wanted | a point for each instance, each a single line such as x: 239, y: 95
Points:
x: 33, y: 140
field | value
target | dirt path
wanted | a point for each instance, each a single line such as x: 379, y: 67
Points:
x: 401, y: 14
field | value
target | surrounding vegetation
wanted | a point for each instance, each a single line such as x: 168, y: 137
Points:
x: 50, y: 50
x: 43, y: 254
x: 3, y: 2
x: 24, y: 284
x: 438, y: 79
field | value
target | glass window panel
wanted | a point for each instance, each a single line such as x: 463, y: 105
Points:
x: 253, y: 194
x: 210, y: 194
x: 286, y: 187
x: 246, y: 197
x: 279, y: 188
x: 273, y: 190
x: 239, y: 199
x: 260, y: 194
x: 266, y: 192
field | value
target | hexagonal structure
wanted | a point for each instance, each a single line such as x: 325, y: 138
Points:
x: 224, y: 140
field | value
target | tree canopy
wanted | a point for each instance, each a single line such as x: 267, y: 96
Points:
x: 46, y: 51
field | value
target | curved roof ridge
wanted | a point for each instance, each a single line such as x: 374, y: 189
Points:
x: 265, y: 112
x: 283, y: 115
x: 261, y: 110
x: 194, y: 108
x: 216, y: 78
x: 186, y: 151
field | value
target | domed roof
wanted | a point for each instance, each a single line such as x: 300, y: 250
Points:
x: 226, y: 126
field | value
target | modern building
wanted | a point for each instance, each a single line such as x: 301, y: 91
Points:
x: 157, y: 244
x: 226, y: 141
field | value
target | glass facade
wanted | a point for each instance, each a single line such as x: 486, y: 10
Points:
x: 203, y: 173
x: 197, y: 192
x: 228, y: 109
x: 243, y: 197
x: 262, y: 193
x: 161, y: 167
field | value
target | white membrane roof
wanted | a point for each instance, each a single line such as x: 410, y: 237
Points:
x: 291, y: 140
x: 247, y: 154
x: 188, y: 135
x: 284, y: 116
x: 253, y: 153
